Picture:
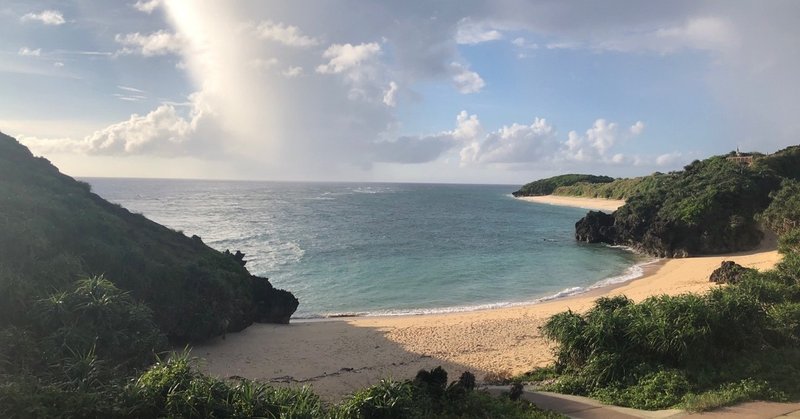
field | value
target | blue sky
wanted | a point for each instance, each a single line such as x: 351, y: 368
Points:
x: 455, y: 91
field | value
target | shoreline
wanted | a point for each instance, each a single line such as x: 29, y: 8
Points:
x: 601, y: 204
x: 599, y: 288
x: 340, y: 355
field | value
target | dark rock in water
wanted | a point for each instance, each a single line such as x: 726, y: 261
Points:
x: 729, y: 272
x: 596, y: 227
x: 272, y: 305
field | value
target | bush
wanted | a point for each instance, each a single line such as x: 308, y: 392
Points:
x: 172, y: 389
x: 388, y: 399
x: 98, y: 318
x: 734, y: 343
x: 783, y: 214
x: 658, y: 390
x: 729, y: 394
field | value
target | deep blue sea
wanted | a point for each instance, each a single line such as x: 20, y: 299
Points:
x: 377, y: 249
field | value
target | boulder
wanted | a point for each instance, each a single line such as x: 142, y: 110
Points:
x: 729, y: 272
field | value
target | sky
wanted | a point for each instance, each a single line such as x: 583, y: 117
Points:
x: 462, y: 91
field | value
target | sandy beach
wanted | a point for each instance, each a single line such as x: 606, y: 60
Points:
x: 339, y: 356
x: 607, y: 205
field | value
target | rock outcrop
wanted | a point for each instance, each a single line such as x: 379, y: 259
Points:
x: 596, y: 227
x: 729, y: 272
x: 273, y: 305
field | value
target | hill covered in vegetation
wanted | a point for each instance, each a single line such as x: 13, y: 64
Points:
x: 54, y: 230
x: 738, y: 342
x: 547, y: 186
x: 618, y: 189
x: 710, y: 207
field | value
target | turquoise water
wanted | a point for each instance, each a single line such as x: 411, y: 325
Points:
x: 371, y: 249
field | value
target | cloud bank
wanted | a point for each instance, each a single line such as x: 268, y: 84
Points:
x: 304, y: 88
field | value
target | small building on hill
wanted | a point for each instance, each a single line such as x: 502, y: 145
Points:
x: 744, y: 159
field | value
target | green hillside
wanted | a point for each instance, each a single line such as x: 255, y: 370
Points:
x: 54, y: 230
x: 547, y: 186
x: 712, y: 206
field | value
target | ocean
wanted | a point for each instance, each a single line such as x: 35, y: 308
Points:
x: 385, y: 248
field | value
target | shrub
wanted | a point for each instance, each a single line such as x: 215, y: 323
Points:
x: 97, y: 317
x: 388, y: 399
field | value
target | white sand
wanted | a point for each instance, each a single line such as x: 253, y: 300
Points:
x: 608, y: 205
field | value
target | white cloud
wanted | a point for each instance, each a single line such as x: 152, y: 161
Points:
x: 468, y: 127
x: 424, y: 149
x: 390, y: 96
x: 708, y: 33
x: 515, y: 143
x: 523, y: 43
x: 637, y: 128
x: 147, y: 6
x: 594, y: 144
x: 602, y: 135
x: 292, y: 72
x: 162, y: 131
x: 518, y: 145
x: 156, y: 43
x: 130, y: 89
x: 465, y: 80
x: 58, y: 64
x: 47, y: 17
x: 705, y: 33
x: 284, y: 34
x: 27, y: 52
x: 564, y: 45
x: 471, y: 33
x: 344, y: 57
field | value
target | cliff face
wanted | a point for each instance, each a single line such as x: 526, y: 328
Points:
x: 708, y: 208
x: 53, y: 230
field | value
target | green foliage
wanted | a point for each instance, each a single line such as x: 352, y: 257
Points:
x: 729, y: 394
x: 784, y: 163
x: 657, y: 390
x: 547, y: 186
x: 387, y: 399
x: 428, y: 396
x: 96, y: 317
x: 172, y: 388
x: 783, y: 214
x: 707, y: 208
x: 618, y: 189
x: 538, y: 374
x: 54, y: 230
x: 789, y: 243
x: 735, y: 343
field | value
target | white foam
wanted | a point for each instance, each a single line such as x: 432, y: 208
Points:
x: 633, y: 272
